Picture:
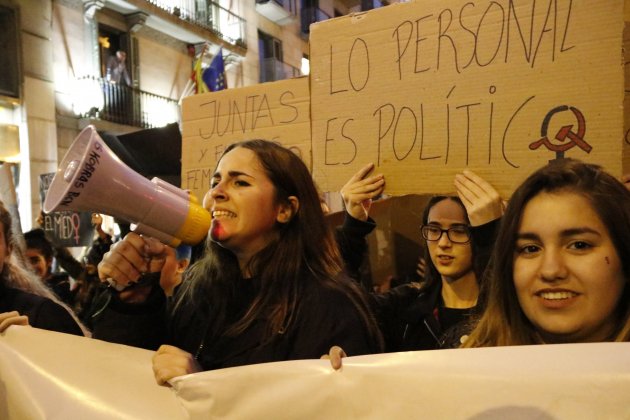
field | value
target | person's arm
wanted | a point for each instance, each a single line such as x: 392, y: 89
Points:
x: 357, y: 195
x: 132, y: 267
x: 135, y: 316
x: 352, y: 242
x: 67, y: 261
x: 97, y: 222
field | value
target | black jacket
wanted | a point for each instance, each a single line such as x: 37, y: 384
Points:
x: 42, y: 312
x: 352, y: 242
x: 324, y: 317
x: 411, y: 319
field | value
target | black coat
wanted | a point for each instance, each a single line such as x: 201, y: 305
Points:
x: 352, y: 242
x: 42, y: 312
x: 324, y: 317
x: 411, y: 319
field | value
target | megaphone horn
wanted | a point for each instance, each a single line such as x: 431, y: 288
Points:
x: 92, y: 178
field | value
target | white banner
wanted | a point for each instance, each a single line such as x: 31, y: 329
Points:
x: 49, y: 375
x: 58, y: 376
x: 571, y: 381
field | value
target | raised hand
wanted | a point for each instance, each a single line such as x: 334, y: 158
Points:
x: 483, y: 203
x: 359, y: 191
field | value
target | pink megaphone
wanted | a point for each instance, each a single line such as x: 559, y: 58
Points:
x: 92, y: 178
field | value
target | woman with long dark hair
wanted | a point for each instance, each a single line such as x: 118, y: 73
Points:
x: 269, y: 286
x: 24, y: 300
x: 561, y: 274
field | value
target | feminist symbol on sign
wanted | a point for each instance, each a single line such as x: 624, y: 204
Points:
x: 76, y: 223
x: 575, y: 139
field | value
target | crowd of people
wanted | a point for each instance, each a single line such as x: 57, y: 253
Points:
x: 273, y: 281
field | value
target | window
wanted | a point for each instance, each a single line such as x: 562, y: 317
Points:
x: 270, y: 54
x: 9, y: 60
x: 110, y: 41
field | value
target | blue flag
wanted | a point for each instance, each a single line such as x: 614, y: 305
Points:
x: 214, y: 76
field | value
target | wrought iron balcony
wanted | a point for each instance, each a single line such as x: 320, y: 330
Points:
x: 100, y: 99
x: 282, y: 12
x: 210, y: 16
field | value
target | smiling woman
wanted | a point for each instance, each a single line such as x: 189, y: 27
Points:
x: 269, y: 286
x: 562, y: 274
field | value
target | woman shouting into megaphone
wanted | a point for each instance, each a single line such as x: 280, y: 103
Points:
x: 269, y: 286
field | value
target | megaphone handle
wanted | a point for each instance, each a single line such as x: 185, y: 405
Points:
x: 165, y: 238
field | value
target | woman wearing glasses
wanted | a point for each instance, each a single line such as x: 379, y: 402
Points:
x: 459, y: 233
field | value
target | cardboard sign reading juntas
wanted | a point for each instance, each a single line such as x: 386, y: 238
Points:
x: 277, y: 111
x: 427, y: 88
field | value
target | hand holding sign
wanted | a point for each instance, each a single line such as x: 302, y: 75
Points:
x: 483, y: 203
x: 360, y: 190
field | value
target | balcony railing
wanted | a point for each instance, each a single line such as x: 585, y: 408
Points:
x: 210, y: 16
x: 282, y: 12
x: 312, y: 15
x: 273, y: 69
x: 100, y: 99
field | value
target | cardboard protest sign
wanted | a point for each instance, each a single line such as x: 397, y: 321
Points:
x: 428, y: 88
x: 626, y: 99
x: 65, y: 228
x: 277, y: 111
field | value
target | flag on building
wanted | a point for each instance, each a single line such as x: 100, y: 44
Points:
x: 197, y: 75
x: 214, y: 76
x: 208, y: 79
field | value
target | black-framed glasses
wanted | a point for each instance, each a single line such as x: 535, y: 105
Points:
x: 456, y: 234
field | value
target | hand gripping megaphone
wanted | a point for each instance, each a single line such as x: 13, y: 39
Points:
x: 92, y: 178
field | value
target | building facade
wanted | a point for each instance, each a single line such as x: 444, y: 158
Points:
x: 61, y: 70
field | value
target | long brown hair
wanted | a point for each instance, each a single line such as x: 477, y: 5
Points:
x: 14, y: 272
x: 503, y: 322
x: 304, y: 250
x: 16, y: 275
